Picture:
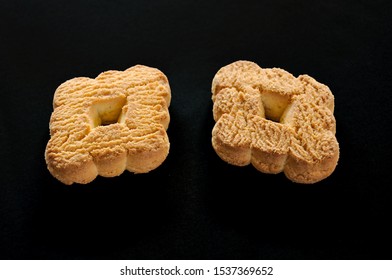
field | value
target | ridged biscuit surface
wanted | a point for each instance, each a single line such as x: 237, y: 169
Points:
x: 275, y: 121
x: 105, y: 125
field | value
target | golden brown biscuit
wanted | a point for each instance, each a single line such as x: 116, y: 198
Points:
x: 275, y: 121
x: 105, y: 125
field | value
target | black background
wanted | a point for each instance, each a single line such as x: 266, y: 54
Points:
x: 195, y: 206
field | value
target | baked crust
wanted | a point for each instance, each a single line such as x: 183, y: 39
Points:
x: 274, y: 121
x: 105, y: 125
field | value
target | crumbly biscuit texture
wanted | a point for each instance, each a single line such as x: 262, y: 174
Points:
x: 105, y: 125
x: 275, y: 121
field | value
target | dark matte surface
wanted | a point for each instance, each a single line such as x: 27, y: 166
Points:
x: 196, y: 206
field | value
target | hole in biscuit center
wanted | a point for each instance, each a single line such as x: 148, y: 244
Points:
x: 274, y: 105
x: 107, y: 112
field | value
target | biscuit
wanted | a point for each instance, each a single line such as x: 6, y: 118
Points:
x: 274, y: 121
x: 105, y: 125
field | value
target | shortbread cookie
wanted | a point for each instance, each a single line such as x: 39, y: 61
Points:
x: 105, y: 125
x: 275, y: 121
